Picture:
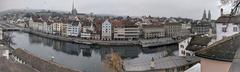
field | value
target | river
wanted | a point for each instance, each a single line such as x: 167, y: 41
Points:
x: 87, y: 58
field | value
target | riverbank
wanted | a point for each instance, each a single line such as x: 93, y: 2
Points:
x: 143, y: 43
x: 81, y: 41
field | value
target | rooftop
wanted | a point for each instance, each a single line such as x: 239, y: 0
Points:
x: 227, y: 19
x: 160, y: 63
x: 198, y: 42
x: 7, y: 66
x: 223, y: 50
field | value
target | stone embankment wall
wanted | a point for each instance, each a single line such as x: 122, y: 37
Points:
x: 40, y: 64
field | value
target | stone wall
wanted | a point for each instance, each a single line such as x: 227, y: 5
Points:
x: 40, y: 64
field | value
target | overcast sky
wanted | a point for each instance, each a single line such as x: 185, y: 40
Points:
x: 168, y: 8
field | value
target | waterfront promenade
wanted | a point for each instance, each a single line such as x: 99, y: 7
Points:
x: 82, y: 41
x: 143, y: 43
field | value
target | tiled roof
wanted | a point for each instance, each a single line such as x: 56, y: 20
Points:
x: 228, y: 19
x: 198, y: 42
x: 173, y: 24
x: 40, y: 64
x: 143, y: 65
x: 7, y: 66
x: 153, y: 26
x: 223, y: 50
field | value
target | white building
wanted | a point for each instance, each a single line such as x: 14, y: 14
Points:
x: 195, y: 68
x: 225, y: 28
x: 1, y: 33
x: 183, y: 45
x: 48, y: 28
x: 73, y: 29
x: 106, y: 30
x: 4, y: 51
x: 190, y: 45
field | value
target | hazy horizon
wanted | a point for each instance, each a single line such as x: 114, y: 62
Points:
x: 156, y: 8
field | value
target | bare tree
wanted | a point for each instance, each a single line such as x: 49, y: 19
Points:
x: 7, y: 38
x: 114, y: 63
x: 227, y: 2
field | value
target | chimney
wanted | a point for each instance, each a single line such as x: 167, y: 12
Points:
x: 221, y: 11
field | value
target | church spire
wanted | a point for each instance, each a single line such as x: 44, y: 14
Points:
x: 204, y: 15
x: 74, y: 10
x: 73, y: 5
x: 209, y: 15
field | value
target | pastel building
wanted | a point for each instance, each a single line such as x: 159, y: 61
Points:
x: 73, y: 29
x: 106, y: 30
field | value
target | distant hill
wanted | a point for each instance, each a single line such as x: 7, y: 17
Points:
x: 27, y: 11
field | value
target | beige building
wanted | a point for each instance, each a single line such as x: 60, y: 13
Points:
x: 64, y: 29
x: 153, y: 32
x: 176, y: 29
x: 126, y: 33
x: 57, y: 27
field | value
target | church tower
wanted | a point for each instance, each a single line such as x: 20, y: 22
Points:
x: 209, y: 15
x: 74, y: 10
x: 204, y: 15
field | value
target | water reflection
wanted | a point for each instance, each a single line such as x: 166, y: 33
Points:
x: 81, y: 56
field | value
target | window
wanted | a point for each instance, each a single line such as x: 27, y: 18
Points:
x: 183, y: 52
x: 169, y: 70
x: 235, y: 29
x: 181, y: 46
x: 180, y: 69
x: 224, y: 29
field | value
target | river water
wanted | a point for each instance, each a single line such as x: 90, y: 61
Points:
x: 88, y: 58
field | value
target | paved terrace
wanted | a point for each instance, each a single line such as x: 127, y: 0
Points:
x: 40, y: 64
x: 170, y: 62
x: 8, y: 66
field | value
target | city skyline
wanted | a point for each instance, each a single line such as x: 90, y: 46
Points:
x: 170, y: 8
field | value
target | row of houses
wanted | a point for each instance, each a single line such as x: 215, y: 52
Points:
x: 104, y: 29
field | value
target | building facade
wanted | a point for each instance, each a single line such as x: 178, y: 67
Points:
x: 204, y: 25
x: 127, y: 33
x: 153, y: 32
x: 173, y: 29
x: 73, y: 29
x: 106, y: 30
x: 226, y: 28
x: 183, y: 45
x: 190, y: 45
